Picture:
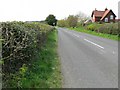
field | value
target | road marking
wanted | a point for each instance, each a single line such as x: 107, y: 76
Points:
x: 94, y: 43
x: 76, y: 35
x: 72, y: 33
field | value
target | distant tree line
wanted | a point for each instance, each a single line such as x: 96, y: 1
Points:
x: 73, y: 20
x: 70, y: 21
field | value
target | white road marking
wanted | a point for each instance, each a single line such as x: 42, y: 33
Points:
x: 72, y: 33
x: 76, y: 35
x: 94, y: 43
x: 102, y: 51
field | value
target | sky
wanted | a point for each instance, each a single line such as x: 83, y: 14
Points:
x: 37, y: 10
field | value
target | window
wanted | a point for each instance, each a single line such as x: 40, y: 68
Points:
x: 106, y: 19
x: 111, y: 17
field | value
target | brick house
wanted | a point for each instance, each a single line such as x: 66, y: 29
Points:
x: 103, y: 16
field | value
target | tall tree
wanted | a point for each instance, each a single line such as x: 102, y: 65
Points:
x: 51, y: 20
x: 72, y: 21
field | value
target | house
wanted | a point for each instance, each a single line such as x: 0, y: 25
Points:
x: 103, y: 16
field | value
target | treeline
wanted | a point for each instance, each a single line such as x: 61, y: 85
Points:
x: 73, y: 20
x: 21, y: 41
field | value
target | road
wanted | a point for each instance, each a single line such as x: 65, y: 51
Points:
x: 87, y: 61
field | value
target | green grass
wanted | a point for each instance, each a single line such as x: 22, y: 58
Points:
x: 44, y: 71
x: 108, y: 36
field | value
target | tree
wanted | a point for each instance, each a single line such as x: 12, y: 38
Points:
x: 51, y: 20
x: 72, y: 21
x: 62, y: 23
x: 82, y: 17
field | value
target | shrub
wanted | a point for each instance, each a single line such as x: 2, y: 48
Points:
x: 21, y: 42
x: 108, y: 28
x: 62, y: 23
x: 93, y: 27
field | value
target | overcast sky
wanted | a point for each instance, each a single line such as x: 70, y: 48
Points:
x: 36, y: 10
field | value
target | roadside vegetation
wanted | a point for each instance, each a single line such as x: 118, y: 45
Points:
x: 29, y: 56
x: 106, y: 30
x: 76, y: 22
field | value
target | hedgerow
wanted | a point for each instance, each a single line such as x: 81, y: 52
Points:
x: 20, y: 43
x: 93, y: 27
x: 107, y: 28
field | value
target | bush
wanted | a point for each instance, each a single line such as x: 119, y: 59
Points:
x: 93, y: 27
x: 108, y: 28
x: 79, y: 24
x: 21, y: 42
x: 62, y: 23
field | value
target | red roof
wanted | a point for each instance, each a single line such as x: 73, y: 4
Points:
x: 101, y: 14
x: 98, y: 13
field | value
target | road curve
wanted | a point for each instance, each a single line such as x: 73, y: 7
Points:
x: 87, y: 61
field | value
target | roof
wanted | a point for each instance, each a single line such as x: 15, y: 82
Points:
x: 101, y: 14
x: 98, y: 13
x: 105, y: 14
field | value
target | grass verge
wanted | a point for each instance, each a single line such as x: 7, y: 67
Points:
x: 44, y: 71
x: 108, y: 36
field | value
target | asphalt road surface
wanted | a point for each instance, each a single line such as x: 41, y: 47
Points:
x: 87, y: 61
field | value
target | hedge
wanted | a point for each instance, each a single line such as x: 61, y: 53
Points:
x: 108, y: 28
x: 20, y: 43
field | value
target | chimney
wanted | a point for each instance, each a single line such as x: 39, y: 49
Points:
x: 95, y: 9
x: 106, y: 9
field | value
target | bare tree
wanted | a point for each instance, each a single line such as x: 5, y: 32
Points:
x: 82, y: 17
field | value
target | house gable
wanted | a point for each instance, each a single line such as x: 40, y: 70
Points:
x: 102, y: 15
x: 107, y: 14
